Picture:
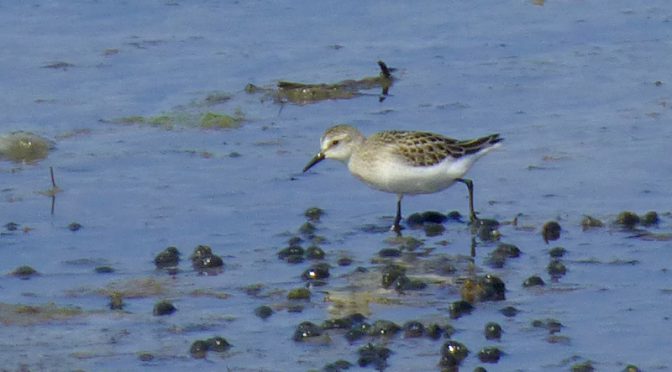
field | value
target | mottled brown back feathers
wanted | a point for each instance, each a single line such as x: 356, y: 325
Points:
x: 426, y: 149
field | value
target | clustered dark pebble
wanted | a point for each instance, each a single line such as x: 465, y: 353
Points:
x: 202, y: 259
x: 200, y: 348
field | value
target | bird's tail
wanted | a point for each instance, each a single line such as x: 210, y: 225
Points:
x: 474, y: 146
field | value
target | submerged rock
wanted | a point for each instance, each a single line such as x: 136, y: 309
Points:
x: 169, y: 257
x: 375, y: 355
x: 104, y: 270
x: 486, y: 229
x: 459, y: 308
x: 493, y: 331
x: 416, y: 220
x: 316, y: 272
x: 586, y: 366
x: 453, y: 353
x: 413, y: 329
x: 627, y: 219
x: 557, y: 252
x: 551, y: 231
x: 551, y: 325
x: 499, y: 255
x: 74, y: 226
x: 533, y: 281
x: 263, y: 312
x: 199, y: 349
x: 164, y: 308
x: 556, y: 268
x: 306, y: 330
x: 314, y: 214
x: 391, y: 273
x: 589, y: 222
x: 315, y: 253
x: 484, y: 288
x: 650, y: 218
x: 384, y: 328
x: 25, y: 147
x: 509, y: 311
x: 337, y: 366
x: 489, y: 355
x: 24, y: 272
x: 218, y: 344
x: 204, y: 259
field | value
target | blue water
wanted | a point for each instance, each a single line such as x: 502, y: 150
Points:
x: 571, y: 86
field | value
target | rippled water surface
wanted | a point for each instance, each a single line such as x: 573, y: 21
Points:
x: 579, y: 90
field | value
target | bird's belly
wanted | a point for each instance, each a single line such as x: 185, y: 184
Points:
x: 404, y: 179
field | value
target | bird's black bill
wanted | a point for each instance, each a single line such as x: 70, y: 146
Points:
x: 316, y: 159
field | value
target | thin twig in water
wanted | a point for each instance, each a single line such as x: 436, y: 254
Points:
x: 53, y: 181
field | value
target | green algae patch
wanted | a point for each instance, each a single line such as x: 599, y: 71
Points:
x: 178, y: 120
x: 211, y: 120
x: 137, y: 288
x: 24, y: 147
x: 17, y: 314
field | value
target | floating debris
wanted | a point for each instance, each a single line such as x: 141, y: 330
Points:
x: 302, y: 94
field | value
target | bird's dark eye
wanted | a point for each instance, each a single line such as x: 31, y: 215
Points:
x: 334, y: 142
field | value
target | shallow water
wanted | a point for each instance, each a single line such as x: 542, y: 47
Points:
x: 578, y: 90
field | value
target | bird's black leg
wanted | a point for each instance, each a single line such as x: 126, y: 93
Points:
x: 470, y: 187
x: 397, y: 219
